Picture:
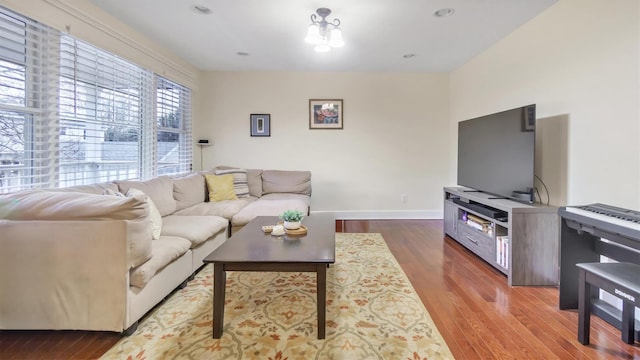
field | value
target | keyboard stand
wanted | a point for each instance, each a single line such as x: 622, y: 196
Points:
x: 584, y: 239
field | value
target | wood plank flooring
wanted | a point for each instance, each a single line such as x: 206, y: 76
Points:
x: 479, y: 316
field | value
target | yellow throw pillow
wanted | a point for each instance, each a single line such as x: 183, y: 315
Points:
x: 220, y: 187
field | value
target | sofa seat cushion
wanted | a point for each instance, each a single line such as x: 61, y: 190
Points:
x: 159, y: 189
x: 225, y: 209
x: 163, y: 251
x: 268, y: 207
x: 196, y: 229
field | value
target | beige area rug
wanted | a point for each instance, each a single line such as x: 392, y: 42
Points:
x: 373, y: 312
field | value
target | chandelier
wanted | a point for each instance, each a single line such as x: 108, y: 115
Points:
x: 323, y: 34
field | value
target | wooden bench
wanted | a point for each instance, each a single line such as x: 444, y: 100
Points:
x: 621, y: 280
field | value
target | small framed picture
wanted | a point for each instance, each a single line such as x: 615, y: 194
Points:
x: 325, y: 114
x: 260, y: 124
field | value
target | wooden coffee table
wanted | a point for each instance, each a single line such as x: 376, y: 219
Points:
x: 245, y: 251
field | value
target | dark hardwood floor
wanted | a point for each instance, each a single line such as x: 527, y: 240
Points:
x: 479, y: 316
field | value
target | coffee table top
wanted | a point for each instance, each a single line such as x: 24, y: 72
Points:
x: 251, y: 244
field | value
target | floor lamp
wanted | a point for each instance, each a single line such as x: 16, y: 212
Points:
x: 203, y: 144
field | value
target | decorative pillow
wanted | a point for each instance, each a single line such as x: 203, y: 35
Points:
x: 240, y: 182
x: 113, y: 193
x: 220, y: 187
x: 154, y: 214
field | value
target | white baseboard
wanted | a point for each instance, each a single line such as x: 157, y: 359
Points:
x: 383, y: 214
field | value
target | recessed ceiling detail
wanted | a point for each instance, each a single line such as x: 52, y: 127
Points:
x: 201, y: 9
x: 444, y: 12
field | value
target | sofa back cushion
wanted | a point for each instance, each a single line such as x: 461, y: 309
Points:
x: 283, y: 181
x: 254, y: 180
x: 159, y: 189
x: 189, y: 190
x: 97, y: 189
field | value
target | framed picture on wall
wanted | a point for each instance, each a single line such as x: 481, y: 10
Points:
x: 260, y: 124
x: 325, y: 114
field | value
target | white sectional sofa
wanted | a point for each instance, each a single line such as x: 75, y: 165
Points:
x: 89, y: 258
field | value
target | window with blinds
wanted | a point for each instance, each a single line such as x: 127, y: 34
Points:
x: 102, y: 107
x: 173, y: 121
x: 73, y: 114
x: 28, y: 104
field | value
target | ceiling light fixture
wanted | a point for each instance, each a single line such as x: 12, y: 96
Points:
x: 323, y: 34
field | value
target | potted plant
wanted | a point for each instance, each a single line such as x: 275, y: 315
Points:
x: 292, y: 219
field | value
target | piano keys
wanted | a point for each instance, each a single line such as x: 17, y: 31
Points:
x: 586, y: 233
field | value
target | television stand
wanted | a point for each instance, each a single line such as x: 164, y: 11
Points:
x: 519, y: 240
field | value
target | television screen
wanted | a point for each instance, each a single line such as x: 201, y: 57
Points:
x: 496, y: 153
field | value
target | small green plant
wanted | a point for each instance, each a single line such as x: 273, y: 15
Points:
x: 292, y: 215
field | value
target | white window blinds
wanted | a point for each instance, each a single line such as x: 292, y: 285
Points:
x: 28, y: 103
x: 73, y: 114
x: 102, y: 107
x: 173, y: 121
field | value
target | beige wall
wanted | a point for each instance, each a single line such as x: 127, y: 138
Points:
x: 394, y: 139
x: 579, y: 61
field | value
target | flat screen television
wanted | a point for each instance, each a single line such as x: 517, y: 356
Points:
x: 496, y: 153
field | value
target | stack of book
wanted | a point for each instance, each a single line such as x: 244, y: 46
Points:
x: 479, y: 223
x: 502, y: 251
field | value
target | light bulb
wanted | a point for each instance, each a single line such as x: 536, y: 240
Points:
x: 335, y: 39
x: 313, y: 34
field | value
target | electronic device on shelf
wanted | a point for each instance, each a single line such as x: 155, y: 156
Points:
x: 482, y: 209
x: 496, y: 153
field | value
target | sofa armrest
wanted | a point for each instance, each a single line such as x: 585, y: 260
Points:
x: 64, y: 274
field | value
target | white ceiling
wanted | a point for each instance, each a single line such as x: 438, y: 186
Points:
x: 377, y: 32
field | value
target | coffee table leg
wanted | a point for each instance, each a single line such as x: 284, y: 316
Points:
x: 219, y: 287
x: 321, y: 271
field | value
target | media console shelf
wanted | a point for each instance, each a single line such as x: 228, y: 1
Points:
x: 520, y: 240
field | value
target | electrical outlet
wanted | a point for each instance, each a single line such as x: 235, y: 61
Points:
x: 404, y: 198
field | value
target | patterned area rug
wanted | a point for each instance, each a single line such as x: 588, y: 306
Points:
x: 373, y: 312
